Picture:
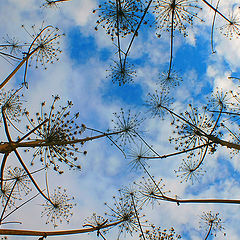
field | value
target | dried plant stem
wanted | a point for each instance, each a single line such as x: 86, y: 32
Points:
x: 8, y: 199
x: 17, y: 68
x: 9, y: 147
x: 136, y: 32
x: 32, y: 131
x: 2, y: 168
x: 209, y: 231
x: 10, y: 56
x: 215, y: 10
x: 55, y: 233
x: 136, y: 213
x: 171, y: 42
x: 31, y: 178
x: 30, y: 199
x: 177, y: 153
x: 178, y: 201
x: 214, y: 18
x: 210, y: 137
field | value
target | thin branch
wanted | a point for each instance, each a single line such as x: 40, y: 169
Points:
x: 136, y: 32
x: 30, y: 199
x: 136, y: 213
x: 215, y: 10
x: 8, y: 199
x: 209, y: 231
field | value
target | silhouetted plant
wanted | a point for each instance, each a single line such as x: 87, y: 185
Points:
x: 61, y: 128
x: 53, y: 135
x: 127, y: 124
x: 60, y: 209
x: 119, y: 17
x: 176, y: 13
x: 122, y: 73
x: 211, y: 223
x: 157, y: 101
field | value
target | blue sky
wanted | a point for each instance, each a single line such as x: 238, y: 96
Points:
x: 81, y: 75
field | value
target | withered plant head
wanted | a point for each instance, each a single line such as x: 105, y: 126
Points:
x: 7, y: 191
x: 123, y: 210
x: 158, y: 101
x: 232, y: 29
x: 127, y: 126
x: 56, y: 133
x: 149, y: 190
x: 119, y: 17
x: 190, y: 133
x: 121, y: 73
x: 169, y: 80
x: 183, y: 12
x: 220, y: 100
x: 18, y: 177
x: 11, y: 102
x: 45, y: 44
x: 12, y: 45
x: 209, y: 219
x: 95, y: 221
x: 138, y: 157
x: 60, y: 210
x: 156, y: 233
x: 190, y: 170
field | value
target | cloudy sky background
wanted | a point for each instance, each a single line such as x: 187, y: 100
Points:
x: 80, y: 76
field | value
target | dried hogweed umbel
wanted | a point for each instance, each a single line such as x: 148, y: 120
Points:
x: 57, y: 134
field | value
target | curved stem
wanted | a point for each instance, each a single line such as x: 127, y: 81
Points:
x: 2, y: 168
x: 214, y: 18
x: 6, y: 125
x: 30, y: 176
x: 209, y: 231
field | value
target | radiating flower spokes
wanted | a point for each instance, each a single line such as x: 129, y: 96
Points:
x: 211, y: 222
x: 176, y: 12
x: 18, y: 175
x: 11, y: 103
x: 124, y: 210
x: 44, y: 45
x: 158, y: 101
x: 119, y: 17
x: 60, y: 210
x: 127, y: 124
x: 60, y: 128
x: 192, y: 131
x: 231, y: 29
x: 122, y: 73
